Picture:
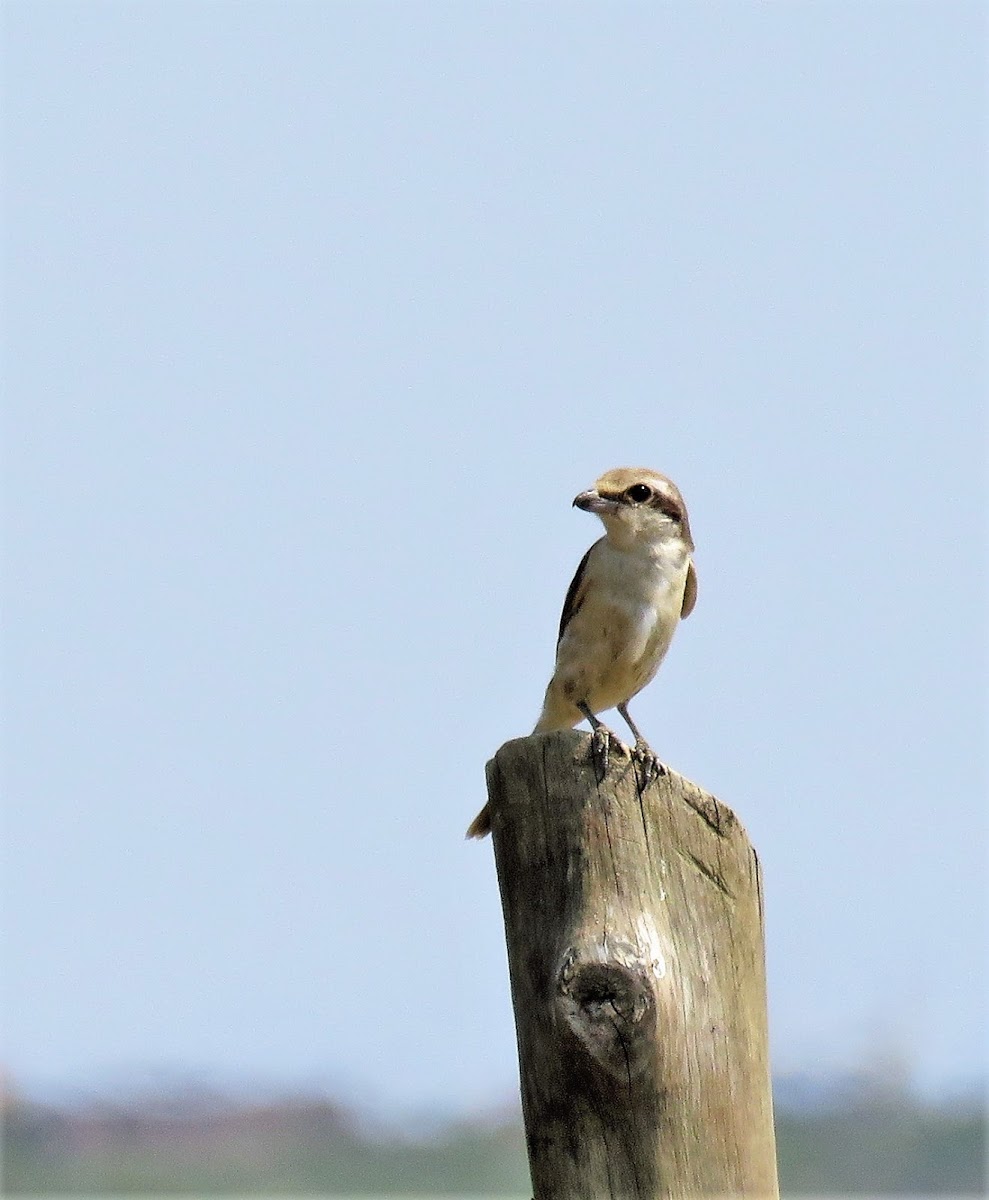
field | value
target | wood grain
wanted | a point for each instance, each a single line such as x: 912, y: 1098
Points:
x: 635, y: 946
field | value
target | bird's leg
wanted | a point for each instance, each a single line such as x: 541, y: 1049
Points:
x: 600, y: 740
x: 643, y: 755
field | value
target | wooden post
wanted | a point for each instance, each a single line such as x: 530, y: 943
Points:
x: 635, y: 949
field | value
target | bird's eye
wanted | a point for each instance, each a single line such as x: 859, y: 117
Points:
x: 639, y: 492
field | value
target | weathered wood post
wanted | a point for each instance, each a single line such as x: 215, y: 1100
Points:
x: 635, y: 949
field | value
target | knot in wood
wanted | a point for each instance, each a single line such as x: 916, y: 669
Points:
x: 610, y: 1008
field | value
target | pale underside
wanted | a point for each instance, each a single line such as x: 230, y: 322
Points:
x: 623, y: 612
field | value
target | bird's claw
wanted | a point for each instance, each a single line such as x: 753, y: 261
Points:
x: 601, y: 739
x: 648, y: 766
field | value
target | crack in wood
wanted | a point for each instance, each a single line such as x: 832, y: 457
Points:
x: 706, y: 871
x: 709, y: 809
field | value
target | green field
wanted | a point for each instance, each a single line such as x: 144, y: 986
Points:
x: 314, y: 1147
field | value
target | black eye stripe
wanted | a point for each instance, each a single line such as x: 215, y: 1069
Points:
x: 666, y: 504
x: 648, y: 497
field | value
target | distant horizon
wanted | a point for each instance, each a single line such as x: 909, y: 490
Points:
x: 794, y: 1091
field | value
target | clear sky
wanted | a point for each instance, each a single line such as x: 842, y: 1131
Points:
x: 317, y: 318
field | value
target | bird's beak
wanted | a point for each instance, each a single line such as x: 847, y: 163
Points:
x: 590, y: 501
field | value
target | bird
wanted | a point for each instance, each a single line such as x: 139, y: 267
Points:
x: 630, y: 590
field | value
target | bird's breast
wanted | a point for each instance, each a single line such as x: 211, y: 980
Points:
x: 630, y: 608
x: 645, y: 595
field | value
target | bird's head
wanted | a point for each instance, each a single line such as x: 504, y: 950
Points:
x: 638, y: 506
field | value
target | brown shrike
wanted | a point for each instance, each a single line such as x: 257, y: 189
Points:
x: 629, y: 592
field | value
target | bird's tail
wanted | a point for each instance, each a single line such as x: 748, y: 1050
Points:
x: 481, y: 825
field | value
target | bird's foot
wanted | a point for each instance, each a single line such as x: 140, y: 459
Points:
x: 647, y: 766
x: 603, y: 743
x: 601, y: 740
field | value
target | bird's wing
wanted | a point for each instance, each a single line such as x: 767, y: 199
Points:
x: 575, y: 594
x: 689, y: 592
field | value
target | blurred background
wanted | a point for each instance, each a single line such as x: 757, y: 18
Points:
x: 317, y: 316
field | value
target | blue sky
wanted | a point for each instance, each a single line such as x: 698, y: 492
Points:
x: 317, y: 318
